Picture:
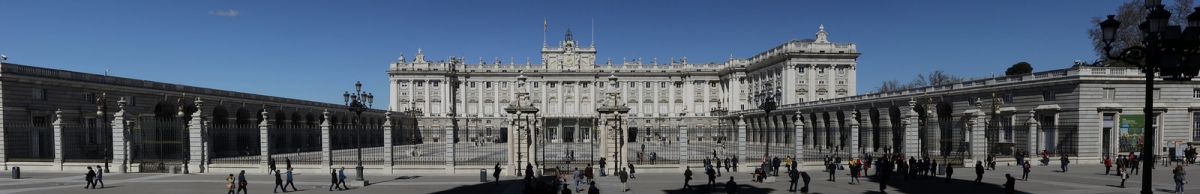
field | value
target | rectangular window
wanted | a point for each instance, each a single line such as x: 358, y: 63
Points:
x: 801, y: 81
x: 712, y: 84
x: 403, y: 83
x: 972, y: 101
x: 535, y: 84
x: 822, y: 82
x: 39, y: 94
x: 600, y: 84
x: 1110, y: 93
x: 503, y: 84
x: 841, y: 70
x: 841, y: 82
x: 678, y: 84
x: 647, y: 84
x: 1195, y: 126
x: 420, y: 83
x: 552, y: 84
x: 435, y: 84
x: 699, y: 85
x: 487, y: 84
x: 131, y: 101
x: 472, y: 84
x: 1157, y: 93
x: 800, y: 69
x: 820, y: 70
x: 1047, y: 96
x: 1196, y: 93
x: 89, y: 97
x: 584, y: 85
x: 1008, y: 98
x: 632, y: 85
x: 662, y: 84
x: 93, y: 131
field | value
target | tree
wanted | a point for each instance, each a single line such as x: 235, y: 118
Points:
x: 938, y: 77
x: 1018, y: 69
x: 1131, y: 14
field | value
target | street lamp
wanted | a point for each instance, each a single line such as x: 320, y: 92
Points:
x: 617, y: 109
x: 1166, y: 52
x: 358, y: 102
x: 520, y: 109
x: 766, y: 99
x: 100, y: 107
x: 720, y: 112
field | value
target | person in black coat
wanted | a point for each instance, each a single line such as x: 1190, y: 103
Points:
x: 731, y: 187
x: 687, y: 177
x: 279, y: 183
x: 727, y: 164
x: 775, y: 166
x: 804, y: 177
x: 88, y: 177
x: 334, y: 182
x: 631, y: 171
x: 496, y: 173
x: 832, y: 168
x: 795, y: 176
x: 287, y: 161
x: 949, y: 172
x: 1010, y: 184
x: 592, y: 189
x: 886, y: 169
x: 978, y: 172
x: 712, y: 178
x: 528, y: 171
x: 270, y: 165
x: 735, y: 162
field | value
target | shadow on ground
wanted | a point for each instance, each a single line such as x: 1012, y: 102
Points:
x: 992, y: 183
x: 488, y: 187
x: 720, y: 188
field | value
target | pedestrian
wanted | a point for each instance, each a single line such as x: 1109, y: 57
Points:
x: 592, y: 188
x: 587, y: 173
x: 978, y: 172
x: 727, y: 164
x: 242, y: 182
x: 333, y: 183
x: 1107, y: 165
x: 279, y: 183
x: 794, y: 179
x: 718, y: 166
x: 838, y: 162
x: 804, y: 177
x: 787, y: 163
x: 289, y: 181
x: 886, y: 169
x: 687, y: 177
x: 271, y: 165
x: 1121, y: 165
x: 1065, y: 161
x: 1135, y: 162
x: 342, y: 177
x: 731, y: 187
x: 288, y: 162
x: 1020, y: 156
x: 602, y: 164
x: 229, y: 184
x: 1025, y: 172
x: 89, y: 177
x: 631, y: 171
x: 1010, y: 184
x: 578, y: 176
x: 832, y: 168
x: 949, y: 172
x: 624, y: 177
x: 1124, y: 175
x: 735, y: 162
x: 775, y: 166
x: 991, y: 161
x: 1046, y: 158
x: 1179, y: 178
x: 99, y: 180
x: 854, y: 168
x: 496, y: 173
x: 712, y: 178
x: 933, y: 168
x: 528, y: 171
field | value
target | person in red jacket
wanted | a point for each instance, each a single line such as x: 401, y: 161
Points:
x: 1107, y: 164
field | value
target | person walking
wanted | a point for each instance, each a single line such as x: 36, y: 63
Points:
x: 1134, y: 162
x: 794, y: 179
x: 718, y: 166
x: 496, y: 173
x: 1121, y: 165
x: 775, y: 166
x: 1124, y: 175
x: 89, y: 177
x: 1180, y: 180
x: 289, y: 181
x: 229, y: 184
x: 855, y: 167
x: 271, y: 165
x: 949, y: 172
x: 592, y: 188
x: 687, y: 177
x: 731, y: 187
x: 1010, y: 184
x: 727, y: 164
x: 287, y: 162
x: 602, y: 164
x: 587, y: 174
x: 333, y: 183
x: 712, y: 178
x: 886, y: 169
x: 1107, y: 165
x: 991, y: 161
x: 978, y: 172
x: 735, y: 162
x: 279, y: 183
x: 631, y: 171
x: 1065, y: 161
x: 99, y: 180
x: 624, y: 177
x: 242, y: 182
x: 342, y: 178
x: 578, y: 176
x: 528, y: 171
x: 1025, y: 172
x: 832, y: 168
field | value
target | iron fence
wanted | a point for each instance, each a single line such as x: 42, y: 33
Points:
x: 86, y: 143
x: 346, y: 141
x: 25, y: 142
x: 656, y: 145
x: 235, y: 144
x: 299, y: 143
x: 158, y: 143
x: 423, y: 150
x: 483, y: 146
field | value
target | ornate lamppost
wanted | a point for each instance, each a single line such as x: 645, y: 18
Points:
x: 720, y: 112
x: 766, y: 99
x: 1174, y: 55
x: 358, y: 102
x: 100, y: 107
x: 523, y: 123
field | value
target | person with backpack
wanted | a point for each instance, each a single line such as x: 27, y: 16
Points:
x: 1025, y: 174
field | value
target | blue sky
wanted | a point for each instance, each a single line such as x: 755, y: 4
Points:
x: 315, y: 50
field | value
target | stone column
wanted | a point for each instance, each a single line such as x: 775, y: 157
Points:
x: 978, y: 135
x: 741, y: 127
x: 836, y: 134
x: 325, y: 141
x: 449, y: 150
x: 853, y: 136
x: 118, y: 138
x: 388, y: 152
x: 912, y: 140
x: 1032, y: 139
x: 58, y: 146
x: 683, y: 146
x: 799, y: 139
x: 933, y: 129
x: 196, y: 139
x: 264, y: 141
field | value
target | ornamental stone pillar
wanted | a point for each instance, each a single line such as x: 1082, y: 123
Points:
x: 978, y: 138
x: 683, y: 146
x: 449, y: 150
x: 853, y: 136
x: 388, y: 152
x: 196, y: 140
x: 58, y: 146
x: 912, y: 140
x: 799, y: 141
x: 264, y: 141
x: 119, y: 139
x: 1032, y: 140
x: 741, y: 127
x: 325, y: 141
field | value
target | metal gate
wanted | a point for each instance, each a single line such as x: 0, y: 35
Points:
x: 158, y: 143
x: 569, y: 143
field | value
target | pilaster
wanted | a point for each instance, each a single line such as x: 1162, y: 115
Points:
x: 196, y: 140
x: 58, y: 146
x: 978, y: 135
x: 264, y: 141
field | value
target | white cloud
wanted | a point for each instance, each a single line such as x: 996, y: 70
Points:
x: 229, y: 13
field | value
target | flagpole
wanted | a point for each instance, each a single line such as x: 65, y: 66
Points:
x: 544, y: 26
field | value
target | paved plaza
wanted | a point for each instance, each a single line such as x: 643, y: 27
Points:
x: 1044, y: 179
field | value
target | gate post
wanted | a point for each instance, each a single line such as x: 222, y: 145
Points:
x: 58, y: 146
x: 799, y: 139
x: 853, y: 136
x: 976, y: 124
x: 196, y: 140
x: 388, y: 152
x: 1032, y: 139
x: 264, y: 141
x: 449, y: 140
x: 683, y: 146
x: 912, y: 140
x: 119, y: 140
x: 325, y: 149
x: 741, y: 127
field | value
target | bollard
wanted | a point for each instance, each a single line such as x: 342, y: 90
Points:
x: 172, y: 168
x: 483, y: 175
x: 16, y: 172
